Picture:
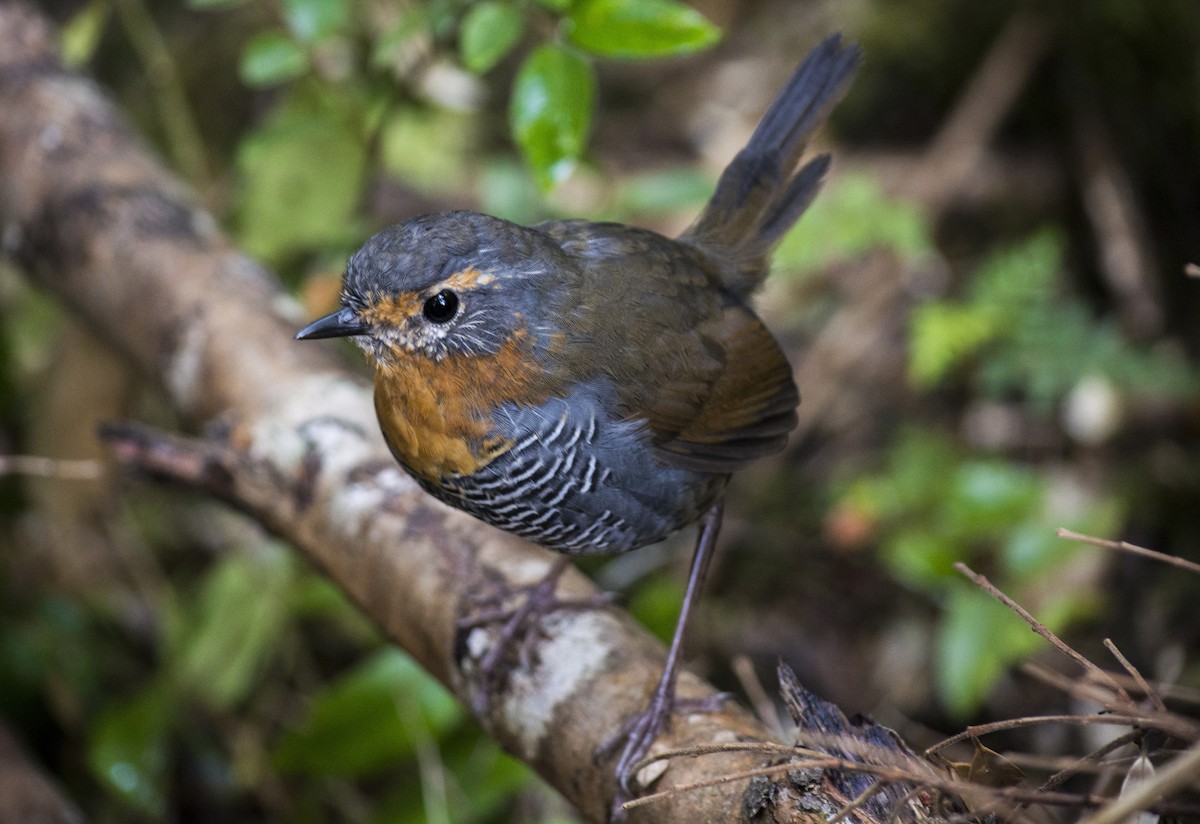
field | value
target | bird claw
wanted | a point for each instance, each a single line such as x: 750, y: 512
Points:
x: 639, y: 733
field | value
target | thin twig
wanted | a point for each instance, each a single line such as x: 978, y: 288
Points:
x: 42, y: 467
x: 891, y: 775
x: 1174, y: 560
x: 1172, y: 723
x: 1016, y: 723
x: 1041, y: 629
x: 1179, y: 773
x: 1143, y: 685
x: 857, y: 801
x: 1091, y: 759
x: 764, y: 707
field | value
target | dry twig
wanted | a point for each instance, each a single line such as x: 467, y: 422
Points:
x: 1174, y: 560
x: 1041, y: 629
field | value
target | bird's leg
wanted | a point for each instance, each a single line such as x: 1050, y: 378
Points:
x: 641, y: 732
x: 520, y: 628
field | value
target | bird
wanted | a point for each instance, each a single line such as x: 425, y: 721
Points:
x: 592, y: 386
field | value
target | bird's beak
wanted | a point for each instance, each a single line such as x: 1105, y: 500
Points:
x: 341, y: 324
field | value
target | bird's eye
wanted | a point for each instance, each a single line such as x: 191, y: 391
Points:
x: 442, y: 307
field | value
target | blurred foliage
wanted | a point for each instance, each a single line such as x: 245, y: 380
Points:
x: 852, y: 217
x: 1028, y: 338
x: 934, y: 504
x: 205, y: 669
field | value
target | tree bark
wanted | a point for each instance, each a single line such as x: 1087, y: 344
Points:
x: 290, y: 436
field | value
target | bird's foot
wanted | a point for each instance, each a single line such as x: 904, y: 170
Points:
x: 521, y: 628
x: 638, y: 734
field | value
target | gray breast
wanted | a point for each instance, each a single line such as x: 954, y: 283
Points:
x: 579, y: 481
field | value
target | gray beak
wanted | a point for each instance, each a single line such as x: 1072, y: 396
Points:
x: 340, y: 324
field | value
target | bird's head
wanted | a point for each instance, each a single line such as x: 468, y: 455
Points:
x: 439, y: 285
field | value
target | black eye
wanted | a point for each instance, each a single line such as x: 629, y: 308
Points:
x: 441, y: 307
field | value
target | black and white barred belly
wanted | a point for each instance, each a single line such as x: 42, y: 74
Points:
x: 578, y: 481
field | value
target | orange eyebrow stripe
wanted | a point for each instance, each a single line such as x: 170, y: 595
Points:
x: 467, y: 279
x: 395, y: 309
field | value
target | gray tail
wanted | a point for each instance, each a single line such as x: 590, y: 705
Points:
x: 758, y: 197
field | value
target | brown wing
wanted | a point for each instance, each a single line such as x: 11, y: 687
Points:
x: 695, y: 363
x: 737, y: 404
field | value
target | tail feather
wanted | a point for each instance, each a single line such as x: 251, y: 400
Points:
x: 758, y: 197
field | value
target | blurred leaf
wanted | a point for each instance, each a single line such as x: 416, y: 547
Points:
x: 656, y: 604
x: 271, y: 58
x: 489, y: 31
x: 917, y: 476
x: 977, y: 639
x: 659, y: 192
x: 482, y: 785
x: 215, y: 4
x: 369, y: 719
x: 852, y: 217
x: 127, y: 752
x: 1032, y: 548
x: 290, y: 203
x: 1019, y: 277
x: 429, y: 148
x: 82, y: 33
x: 556, y: 6
x: 312, y: 20
x: 505, y: 190
x: 392, y: 46
x: 238, y: 617
x: 988, y: 497
x: 551, y: 111
x: 639, y: 28
x: 1026, y: 337
x: 921, y: 559
x: 942, y: 335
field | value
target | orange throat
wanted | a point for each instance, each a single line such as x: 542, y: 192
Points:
x: 436, y: 416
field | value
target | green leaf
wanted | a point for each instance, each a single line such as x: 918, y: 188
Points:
x: 656, y: 605
x: 369, y: 719
x: 1018, y: 278
x: 430, y: 148
x: 392, y: 47
x: 489, y: 31
x: 127, y: 751
x: 977, y: 639
x: 215, y: 4
x: 942, y: 335
x: 505, y: 190
x: 853, y: 216
x: 271, y: 58
x: 289, y: 203
x: 551, y: 111
x: 668, y: 191
x: 81, y: 35
x: 921, y: 559
x: 240, y: 614
x: 312, y: 20
x: 987, y: 498
x: 639, y: 28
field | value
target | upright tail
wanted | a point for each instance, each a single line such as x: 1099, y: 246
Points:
x: 758, y: 197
